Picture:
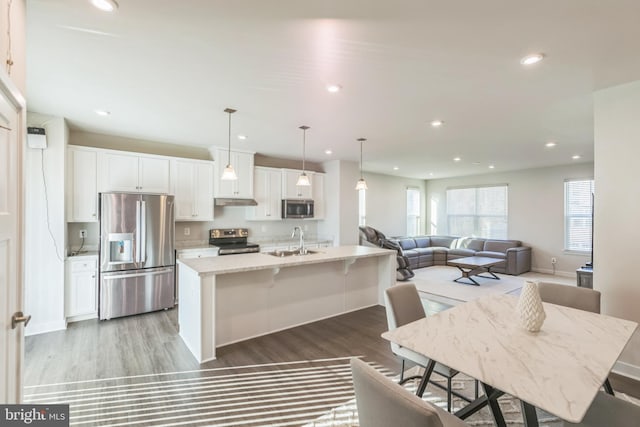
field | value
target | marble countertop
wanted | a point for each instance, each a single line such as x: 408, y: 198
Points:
x: 259, y: 261
x: 559, y: 369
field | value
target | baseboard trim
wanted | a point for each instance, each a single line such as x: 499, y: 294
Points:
x: 555, y: 273
x: 627, y: 370
x: 42, y: 328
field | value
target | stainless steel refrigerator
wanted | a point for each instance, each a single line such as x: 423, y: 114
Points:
x: 137, y: 258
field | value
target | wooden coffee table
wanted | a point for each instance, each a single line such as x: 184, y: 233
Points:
x: 475, y: 266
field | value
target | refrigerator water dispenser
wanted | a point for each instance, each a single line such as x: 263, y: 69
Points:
x: 120, y: 248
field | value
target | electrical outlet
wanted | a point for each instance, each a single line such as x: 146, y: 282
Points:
x: 83, y: 234
x: 554, y: 260
x: 187, y: 231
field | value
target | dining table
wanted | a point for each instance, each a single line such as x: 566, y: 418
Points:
x: 558, y: 369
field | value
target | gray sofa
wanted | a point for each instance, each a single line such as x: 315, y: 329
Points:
x: 425, y: 251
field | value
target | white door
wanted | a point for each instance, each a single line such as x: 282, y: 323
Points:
x: 83, y: 186
x: 203, y: 199
x: 184, y: 189
x: 11, y: 338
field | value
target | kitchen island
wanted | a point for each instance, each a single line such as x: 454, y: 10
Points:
x: 231, y: 298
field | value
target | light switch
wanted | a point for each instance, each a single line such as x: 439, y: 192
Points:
x: 187, y: 231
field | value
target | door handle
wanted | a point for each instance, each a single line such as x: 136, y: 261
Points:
x: 19, y: 317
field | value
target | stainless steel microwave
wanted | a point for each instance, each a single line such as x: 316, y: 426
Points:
x: 293, y: 208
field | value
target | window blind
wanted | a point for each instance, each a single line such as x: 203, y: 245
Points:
x: 478, y: 211
x: 578, y: 214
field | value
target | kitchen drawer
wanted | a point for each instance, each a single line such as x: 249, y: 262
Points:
x: 196, y: 253
x: 85, y: 264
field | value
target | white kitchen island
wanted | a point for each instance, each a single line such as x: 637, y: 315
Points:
x: 231, y: 298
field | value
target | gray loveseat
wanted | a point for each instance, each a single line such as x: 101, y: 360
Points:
x: 425, y: 251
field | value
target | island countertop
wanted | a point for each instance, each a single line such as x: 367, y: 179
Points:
x: 258, y: 261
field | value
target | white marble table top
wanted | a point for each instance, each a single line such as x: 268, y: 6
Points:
x: 258, y: 261
x: 558, y: 369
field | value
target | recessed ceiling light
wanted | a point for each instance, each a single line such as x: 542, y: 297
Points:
x: 492, y: 167
x: 327, y: 152
x: 103, y: 113
x: 430, y: 173
x: 550, y: 144
x: 532, y: 59
x: 575, y: 157
x: 456, y: 159
x: 242, y: 137
x: 436, y: 123
x: 334, y: 88
x: 395, y: 168
x: 105, y: 5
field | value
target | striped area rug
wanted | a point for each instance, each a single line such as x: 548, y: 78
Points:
x: 311, y: 393
x: 277, y: 394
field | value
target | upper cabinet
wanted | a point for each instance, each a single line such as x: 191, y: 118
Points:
x: 242, y: 162
x: 133, y: 173
x: 318, y: 195
x: 267, y: 192
x: 82, y: 199
x: 289, y: 188
x: 193, y: 189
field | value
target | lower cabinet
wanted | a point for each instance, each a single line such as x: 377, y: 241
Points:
x: 81, y: 288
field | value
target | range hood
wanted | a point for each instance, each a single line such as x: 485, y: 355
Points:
x: 235, y: 202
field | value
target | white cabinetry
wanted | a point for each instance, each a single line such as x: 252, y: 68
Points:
x: 193, y: 189
x: 318, y: 195
x: 267, y: 192
x: 133, y: 173
x: 292, y: 191
x: 81, y: 288
x: 82, y: 200
x: 242, y: 162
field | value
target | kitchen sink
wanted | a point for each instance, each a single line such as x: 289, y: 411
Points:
x: 285, y: 253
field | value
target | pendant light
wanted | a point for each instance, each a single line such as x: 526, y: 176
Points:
x: 303, y: 179
x: 362, y: 184
x: 229, y: 174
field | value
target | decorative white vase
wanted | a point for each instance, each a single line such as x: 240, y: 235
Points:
x: 530, y: 310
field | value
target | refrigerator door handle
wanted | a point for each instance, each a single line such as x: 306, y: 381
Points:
x: 138, y: 236
x: 143, y: 232
x: 137, y: 273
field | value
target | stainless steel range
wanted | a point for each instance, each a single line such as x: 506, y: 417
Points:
x: 232, y: 241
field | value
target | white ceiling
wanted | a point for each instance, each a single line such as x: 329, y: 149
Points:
x: 166, y: 70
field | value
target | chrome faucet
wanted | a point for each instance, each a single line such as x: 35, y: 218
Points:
x: 302, y: 249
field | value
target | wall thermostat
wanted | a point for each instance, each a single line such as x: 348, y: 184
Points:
x: 36, y: 137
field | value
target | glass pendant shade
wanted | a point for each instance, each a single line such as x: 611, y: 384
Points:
x: 229, y: 174
x: 303, y: 179
x: 361, y: 184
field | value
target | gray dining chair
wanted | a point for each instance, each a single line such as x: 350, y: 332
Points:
x: 609, y: 411
x: 403, y: 306
x: 574, y: 297
x: 383, y: 403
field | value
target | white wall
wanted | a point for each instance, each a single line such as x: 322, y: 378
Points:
x: 44, y: 265
x: 536, y: 210
x: 617, y: 208
x: 386, y: 201
x: 341, y: 212
x: 18, y: 37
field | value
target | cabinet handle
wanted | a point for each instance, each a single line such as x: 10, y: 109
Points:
x: 93, y: 215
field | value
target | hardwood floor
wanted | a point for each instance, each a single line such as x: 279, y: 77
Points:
x: 97, y: 367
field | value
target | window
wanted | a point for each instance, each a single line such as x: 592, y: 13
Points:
x: 413, y: 211
x: 578, y: 203
x: 362, y: 208
x: 478, y: 211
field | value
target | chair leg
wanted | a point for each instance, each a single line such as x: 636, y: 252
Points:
x: 448, y: 394
x: 476, y: 381
x: 402, y: 372
x: 608, y: 388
